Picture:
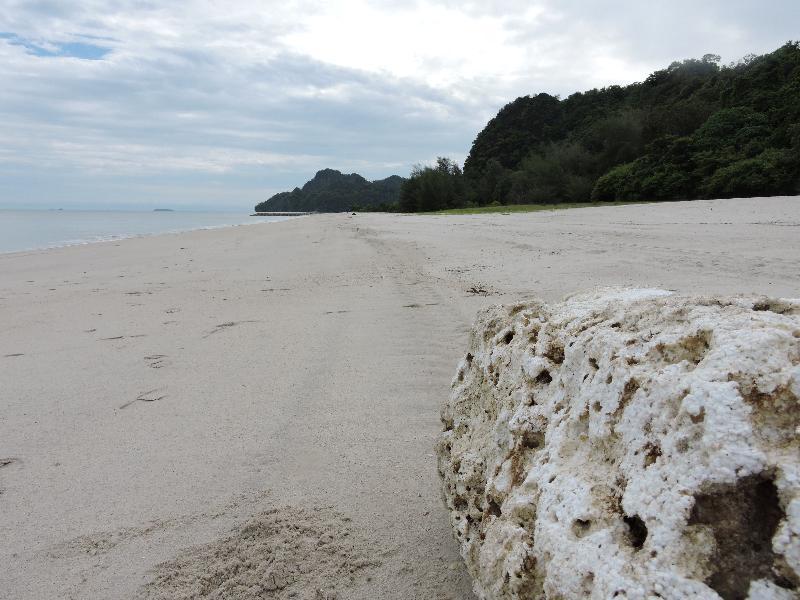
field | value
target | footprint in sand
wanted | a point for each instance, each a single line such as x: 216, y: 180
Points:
x: 4, y: 462
x: 224, y: 326
x: 122, y: 337
x: 284, y: 552
x: 157, y: 361
x: 149, y: 396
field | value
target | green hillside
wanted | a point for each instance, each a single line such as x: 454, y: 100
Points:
x: 332, y: 191
x: 693, y: 130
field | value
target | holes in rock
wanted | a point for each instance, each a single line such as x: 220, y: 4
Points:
x: 517, y: 471
x: 652, y: 452
x: 616, y: 325
x: 692, y: 348
x: 777, y: 307
x: 593, y: 363
x: 743, y: 518
x: 493, y: 508
x: 628, y: 391
x: 596, y: 406
x: 516, y: 309
x: 508, y: 337
x: 459, y: 504
x: 555, y: 353
x: 544, y: 377
x: 588, y: 583
x: 533, y: 440
x: 775, y: 413
x: 609, y: 379
x: 469, y: 358
x: 581, y: 527
x: 637, y: 531
x: 699, y: 417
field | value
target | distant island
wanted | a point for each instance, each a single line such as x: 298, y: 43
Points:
x: 163, y: 210
x: 333, y: 191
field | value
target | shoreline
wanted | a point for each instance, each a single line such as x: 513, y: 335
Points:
x: 162, y: 393
x: 118, y: 238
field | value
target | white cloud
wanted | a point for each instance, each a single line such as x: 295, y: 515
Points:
x: 436, y: 44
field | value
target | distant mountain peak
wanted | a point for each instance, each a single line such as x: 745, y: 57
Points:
x: 331, y: 190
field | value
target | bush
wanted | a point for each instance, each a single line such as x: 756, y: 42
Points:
x: 771, y: 173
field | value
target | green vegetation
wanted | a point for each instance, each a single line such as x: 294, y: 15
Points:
x: 524, y: 208
x: 433, y: 188
x: 693, y: 130
x: 332, y: 191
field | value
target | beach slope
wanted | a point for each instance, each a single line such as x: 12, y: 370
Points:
x: 268, y: 396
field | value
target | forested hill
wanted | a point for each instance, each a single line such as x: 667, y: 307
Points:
x: 333, y: 191
x: 693, y: 130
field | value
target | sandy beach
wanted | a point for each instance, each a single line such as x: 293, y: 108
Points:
x: 164, y: 396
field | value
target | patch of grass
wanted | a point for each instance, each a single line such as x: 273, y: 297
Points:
x: 523, y: 208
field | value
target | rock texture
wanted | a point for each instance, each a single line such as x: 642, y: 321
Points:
x: 628, y: 444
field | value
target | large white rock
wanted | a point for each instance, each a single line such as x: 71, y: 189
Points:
x: 628, y: 444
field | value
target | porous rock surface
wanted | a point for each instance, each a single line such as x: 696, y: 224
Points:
x: 628, y: 444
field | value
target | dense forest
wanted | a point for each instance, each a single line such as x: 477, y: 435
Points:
x: 693, y: 130
x: 332, y: 191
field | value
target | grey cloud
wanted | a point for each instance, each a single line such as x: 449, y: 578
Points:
x: 186, y: 112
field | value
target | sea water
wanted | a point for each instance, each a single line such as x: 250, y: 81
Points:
x: 35, y: 229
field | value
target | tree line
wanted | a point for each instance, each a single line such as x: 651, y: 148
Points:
x: 693, y: 130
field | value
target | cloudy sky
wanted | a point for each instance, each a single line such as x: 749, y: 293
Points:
x: 219, y: 104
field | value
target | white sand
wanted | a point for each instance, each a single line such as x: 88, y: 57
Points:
x: 159, y: 393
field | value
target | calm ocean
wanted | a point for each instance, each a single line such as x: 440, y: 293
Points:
x: 33, y: 229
